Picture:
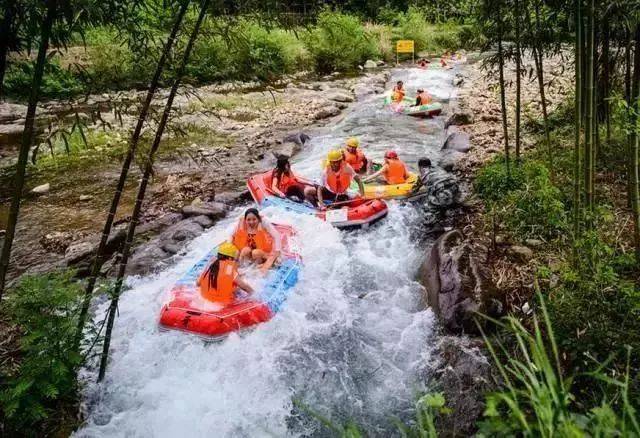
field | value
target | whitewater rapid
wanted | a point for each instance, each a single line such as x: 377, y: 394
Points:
x: 352, y: 341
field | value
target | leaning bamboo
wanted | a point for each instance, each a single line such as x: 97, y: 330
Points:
x: 126, y: 164
x: 142, y: 190
x: 27, y: 140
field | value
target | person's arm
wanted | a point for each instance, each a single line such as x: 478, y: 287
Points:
x: 360, y: 185
x: 275, y: 189
x: 376, y: 174
x: 417, y: 101
x: 320, y: 200
x: 243, y: 285
x: 277, y: 247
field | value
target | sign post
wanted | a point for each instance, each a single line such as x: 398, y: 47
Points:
x: 405, y: 46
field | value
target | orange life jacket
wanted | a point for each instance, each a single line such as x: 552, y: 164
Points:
x: 354, y: 160
x: 425, y: 98
x: 224, y: 291
x: 396, y: 172
x: 260, y: 240
x: 285, y: 181
x: 398, y: 94
x: 338, y: 182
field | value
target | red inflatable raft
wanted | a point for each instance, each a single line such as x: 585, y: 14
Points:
x: 188, y: 311
x: 358, y: 212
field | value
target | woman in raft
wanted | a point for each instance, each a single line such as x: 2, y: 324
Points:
x: 221, y: 280
x: 284, y: 183
x: 256, y: 239
x: 394, y: 171
x: 398, y: 92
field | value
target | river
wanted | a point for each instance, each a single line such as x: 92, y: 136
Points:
x: 352, y: 343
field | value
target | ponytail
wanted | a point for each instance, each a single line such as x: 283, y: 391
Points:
x: 214, y: 269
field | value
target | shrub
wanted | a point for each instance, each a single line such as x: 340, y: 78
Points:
x: 339, y: 42
x: 56, y: 81
x: 46, y: 309
x: 412, y: 25
x: 530, y: 203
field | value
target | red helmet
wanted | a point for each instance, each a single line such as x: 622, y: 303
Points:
x: 391, y: 154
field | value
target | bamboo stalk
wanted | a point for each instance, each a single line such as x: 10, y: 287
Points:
x: 627, y: 93
x: 503, y: 102
x: 588, y: 141
x: 126, y: 164
x: 518, y: 80
x: 577, y: 156
x: 143, y: 187
x: 538, y: 57
x: 27, y: 140
x: 6, y: 36
x: 636, y: 144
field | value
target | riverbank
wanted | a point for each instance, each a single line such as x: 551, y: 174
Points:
x: 215, y: 141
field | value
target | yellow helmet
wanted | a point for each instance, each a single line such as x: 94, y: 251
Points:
x: 353, y: 142
x: 228, y: 249
x: 335, y: 155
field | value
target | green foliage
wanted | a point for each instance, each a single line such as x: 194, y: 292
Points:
x: 339, y: 42
x: 45, y: 308
x: 538, y: 401
x: 56, y: 82
x: 412, y: 25
x: 527, y: 201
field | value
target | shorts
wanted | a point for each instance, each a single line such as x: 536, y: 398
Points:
x: 328, y: 195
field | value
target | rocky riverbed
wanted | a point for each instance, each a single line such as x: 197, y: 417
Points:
x: 219, y: 134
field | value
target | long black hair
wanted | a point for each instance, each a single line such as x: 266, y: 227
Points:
x: 253, y: 211
x: 282, y: 167
x: 214, y: 269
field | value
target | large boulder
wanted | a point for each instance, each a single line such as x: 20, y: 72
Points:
x: 457, y: 141
x: 370, y: 64
x: 443, y: 189
x: 213, y: 210
x: 326, y: 112
x: 460, y: 118
x: 457, y: 285
x: 465, y: 375
x: 299, y: 138
x: 288, y: 149
x: 338, y: 95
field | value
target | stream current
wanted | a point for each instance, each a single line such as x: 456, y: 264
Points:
x: 352, y: 342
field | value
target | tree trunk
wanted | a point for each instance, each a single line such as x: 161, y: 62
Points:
x: 518, y: 80
x: 538, y: 57
x: 629, y: 100
x: 588, y: 140
x: 606, y: 78
x: 143, y: 187
x: 635, y: 90
x: 133, y: 143
x: 577, y: 156
x: 503, y: 104
x: 27, y: 140
x: 6, y: 36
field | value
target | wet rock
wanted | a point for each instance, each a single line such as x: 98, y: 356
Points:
x: 186, y: 230
x: 458, y: 80
x: 458, y: 141
x: 84, y: 198
x: 146, y: 260
x: 520, y: 253
x: 465, y: 375
x: 171, y: 248
x: 460, y: 118
x: 203, y: 220
x: 299, y: 138
x: 380, y: 63
x: 83, y: 251
x: 213, y: 210
x: 326, y: 112
x: 159, y: 224
x: 363, y: 89
x: 11, y: 134
x: 457, y: 285
x: 234, y: 198
x: 56, y: 242
x: 288, y: 149
x: 370, y: 64
x: 41, y: 189
x: 338, y: 95
x: 450, y: 161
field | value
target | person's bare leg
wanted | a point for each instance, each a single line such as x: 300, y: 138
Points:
x: 245, y: 253
x: 258, y: 255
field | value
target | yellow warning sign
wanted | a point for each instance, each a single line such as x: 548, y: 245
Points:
x: 404, y: 46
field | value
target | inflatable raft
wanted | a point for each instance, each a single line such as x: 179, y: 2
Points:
x: 407, y: 107
x: 390, y: 191
x: 187, y: 311
x: 359, y: 212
